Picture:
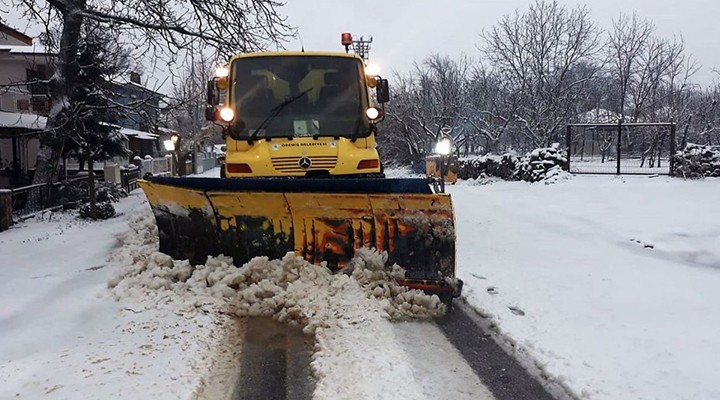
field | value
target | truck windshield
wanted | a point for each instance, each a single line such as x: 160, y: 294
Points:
x: 298, y: 96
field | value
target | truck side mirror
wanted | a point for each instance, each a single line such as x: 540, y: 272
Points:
x: 213, y: 95
x: 382, y: 91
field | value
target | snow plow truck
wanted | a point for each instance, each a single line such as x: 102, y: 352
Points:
x: 302, y: 174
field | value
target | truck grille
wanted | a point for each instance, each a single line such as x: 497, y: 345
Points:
x: 290, y: 164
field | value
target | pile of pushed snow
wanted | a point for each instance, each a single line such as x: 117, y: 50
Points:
x: 290, y: 290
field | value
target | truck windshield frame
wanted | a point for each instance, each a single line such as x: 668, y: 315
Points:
x: 333, y: 104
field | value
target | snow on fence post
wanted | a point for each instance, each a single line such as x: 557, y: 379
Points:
x: 5, y: 209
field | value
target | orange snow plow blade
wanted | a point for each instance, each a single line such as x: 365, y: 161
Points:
x: 322, y: 220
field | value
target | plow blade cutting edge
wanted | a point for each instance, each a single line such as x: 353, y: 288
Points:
x: 318, y: 219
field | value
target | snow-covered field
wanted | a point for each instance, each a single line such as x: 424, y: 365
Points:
x: 610, y: 284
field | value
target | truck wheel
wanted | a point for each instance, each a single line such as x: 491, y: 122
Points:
x: 446, y: 298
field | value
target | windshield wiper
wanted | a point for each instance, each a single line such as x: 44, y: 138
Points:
x: 275, y: 111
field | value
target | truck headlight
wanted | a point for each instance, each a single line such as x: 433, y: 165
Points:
x: 227, y: 114
x: 372, y: 113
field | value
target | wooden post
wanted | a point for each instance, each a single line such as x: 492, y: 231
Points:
x: 568, y: 142
x: 619, y: 141
x: 5, y: 209
x: 672, y: 147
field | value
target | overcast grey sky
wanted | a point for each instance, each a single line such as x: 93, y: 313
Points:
x: 408, y: 30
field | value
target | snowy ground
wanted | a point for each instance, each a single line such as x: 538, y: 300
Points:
x: 610, y: 284
x: 64, y: 336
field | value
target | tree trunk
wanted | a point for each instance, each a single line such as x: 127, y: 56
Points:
x: 51, y: 144
x: 91, y: 186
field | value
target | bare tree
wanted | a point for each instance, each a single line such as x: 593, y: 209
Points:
x: 628, y: 39
x: 656, y: 62
x: 489, y: 111
x: 536, y: 52
x: 427, y: 100
x: 188, y: 101
x: 163, y: 28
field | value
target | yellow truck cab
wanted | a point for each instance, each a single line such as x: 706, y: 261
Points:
x: 298, y: 114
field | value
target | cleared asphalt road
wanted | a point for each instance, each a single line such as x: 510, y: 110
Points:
x: 500, y: 373
x: 458, y: 356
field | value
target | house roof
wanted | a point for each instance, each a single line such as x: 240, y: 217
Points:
x: 27, y: 121
x: 133, y: 85
x: 33, y: 122
x: 25, y: 50
x: 16, y: 34
x: 138, y: 134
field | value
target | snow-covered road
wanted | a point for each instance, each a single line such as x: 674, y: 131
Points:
x: 606, y: 285
x: 67, y: 336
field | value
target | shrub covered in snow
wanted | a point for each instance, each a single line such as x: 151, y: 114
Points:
x: 103, y: 210
x: 77, y: 192
x: 502, y: 166
x: 697, y: 161
x: 74, y: 193
x: 535, y: 166
x: 545, y: 164
x: 109, y: 192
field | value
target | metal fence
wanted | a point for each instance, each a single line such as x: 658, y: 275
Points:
x: 34, y: 198
x: 129, y: 178
x: 155, y: 166
x: 621, y: 148
x: 208, y: 163
x: 31, y: 199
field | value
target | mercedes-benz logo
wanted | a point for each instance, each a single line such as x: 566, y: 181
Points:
x: 305, y: 162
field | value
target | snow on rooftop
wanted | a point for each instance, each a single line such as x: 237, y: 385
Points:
x: 167, y: 130
x: 22, y: 121
x: 138, y: 134
x: 38, y: 123
x: 15, y: 49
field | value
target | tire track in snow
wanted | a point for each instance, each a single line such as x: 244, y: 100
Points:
x: 275, y: 363
x: 500, y: 373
